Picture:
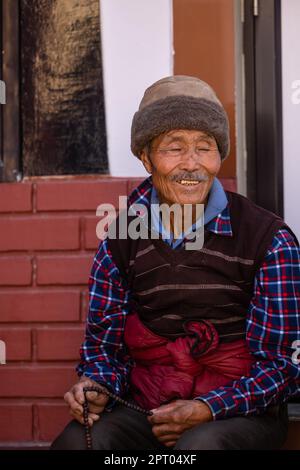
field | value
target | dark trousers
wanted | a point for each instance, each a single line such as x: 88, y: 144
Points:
x: 125, y: 429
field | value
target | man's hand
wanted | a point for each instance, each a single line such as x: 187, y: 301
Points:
x: 171, y: 420
x: 75, y: 399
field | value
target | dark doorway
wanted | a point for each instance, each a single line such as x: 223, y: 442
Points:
x: 262, y: 49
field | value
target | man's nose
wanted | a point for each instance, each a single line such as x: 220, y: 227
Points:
x: 190, y: 160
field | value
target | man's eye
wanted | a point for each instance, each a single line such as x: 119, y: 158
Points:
x: 169, y: 149
x: 202, y: 149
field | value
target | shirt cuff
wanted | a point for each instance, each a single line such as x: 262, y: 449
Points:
x: 222, y: 404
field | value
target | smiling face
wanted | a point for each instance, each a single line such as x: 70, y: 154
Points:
x: 183, y: 164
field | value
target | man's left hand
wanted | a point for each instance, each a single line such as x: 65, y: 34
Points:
x: 171, y: 420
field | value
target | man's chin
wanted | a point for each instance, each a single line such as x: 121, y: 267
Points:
x: 192, y: 194
x: 188, y: 200
x: 186, y: 197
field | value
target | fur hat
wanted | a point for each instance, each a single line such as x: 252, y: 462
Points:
x: 179, y: 102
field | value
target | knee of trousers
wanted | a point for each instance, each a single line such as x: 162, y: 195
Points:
x: 203, y: 438
x: 105, y: 436
x: 71, y: 438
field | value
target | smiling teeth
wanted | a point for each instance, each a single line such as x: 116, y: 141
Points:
x: 188, y: 182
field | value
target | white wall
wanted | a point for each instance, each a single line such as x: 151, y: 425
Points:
x: 291, y: 111
x: 137, y: 50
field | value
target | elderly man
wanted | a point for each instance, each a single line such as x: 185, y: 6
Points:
x: 204, y: 337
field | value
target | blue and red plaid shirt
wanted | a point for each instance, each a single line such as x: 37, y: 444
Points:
x: 272, y: 326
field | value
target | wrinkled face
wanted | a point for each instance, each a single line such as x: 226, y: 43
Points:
x: 183, y: 164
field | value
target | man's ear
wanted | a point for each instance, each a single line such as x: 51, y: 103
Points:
x: 145, y: 158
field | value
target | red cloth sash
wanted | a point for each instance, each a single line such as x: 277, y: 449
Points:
x: 183, y: 368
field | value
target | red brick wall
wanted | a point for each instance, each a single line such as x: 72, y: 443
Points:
x: 47, y: 243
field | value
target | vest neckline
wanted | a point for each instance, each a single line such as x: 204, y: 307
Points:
x: 177, y: 255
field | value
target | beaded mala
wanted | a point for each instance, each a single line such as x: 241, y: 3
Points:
x: 98, y: 389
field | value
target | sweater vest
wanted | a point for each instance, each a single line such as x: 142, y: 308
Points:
x: 216, y: 283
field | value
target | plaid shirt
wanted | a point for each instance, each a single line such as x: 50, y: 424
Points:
x: 273, y: 324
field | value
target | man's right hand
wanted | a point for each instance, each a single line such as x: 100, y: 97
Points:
x: 75, y: 399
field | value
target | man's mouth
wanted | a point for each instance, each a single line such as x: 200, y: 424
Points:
x: 188, y: 182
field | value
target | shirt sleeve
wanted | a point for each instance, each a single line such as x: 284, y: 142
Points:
x: 272, y: 331
x: 104, y: 358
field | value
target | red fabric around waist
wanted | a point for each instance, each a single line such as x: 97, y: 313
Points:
x: 184, y: 368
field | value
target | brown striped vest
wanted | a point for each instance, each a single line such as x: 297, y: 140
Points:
x: 215, y: 283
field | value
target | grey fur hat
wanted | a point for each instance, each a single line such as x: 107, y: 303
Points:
x: 179, y: 102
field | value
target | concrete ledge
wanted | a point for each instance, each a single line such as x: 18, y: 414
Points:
x: 294, y: 411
